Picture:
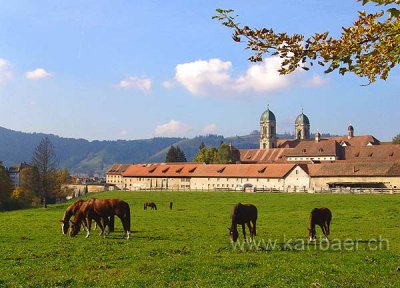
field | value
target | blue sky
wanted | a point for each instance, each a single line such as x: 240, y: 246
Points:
x: 138, y: 69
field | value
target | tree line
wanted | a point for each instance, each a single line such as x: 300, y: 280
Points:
x: 224, y: 154
x: 39, y: 183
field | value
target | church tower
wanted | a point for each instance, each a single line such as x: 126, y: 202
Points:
x: 268, y: 130
x: 350, y: 132
x: 302, y: 127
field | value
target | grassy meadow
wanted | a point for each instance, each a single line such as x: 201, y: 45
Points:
x: 189, y: 246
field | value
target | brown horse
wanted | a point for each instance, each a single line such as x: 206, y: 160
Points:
x: 151, y: 205
x: 243, y: 214
x: 321, y: 217
x: 101, y: 209
x: 72, y: 210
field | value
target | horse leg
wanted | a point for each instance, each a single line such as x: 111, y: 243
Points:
x: 244, y: 232
x: 250, y: 230
x: 106, y: 223
x: 111, y: 223
x: 326, y: 226
x: 89, y: 224
x: 254, y: 228
x: 125, y: 223
x: 328, y: 223
x: 98, y: 221
x: 323, y: 230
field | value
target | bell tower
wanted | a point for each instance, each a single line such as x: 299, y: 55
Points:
x: 268, y: 130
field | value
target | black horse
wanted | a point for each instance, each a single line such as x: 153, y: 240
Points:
x: 321, y: 217
x: 151, y: 205
x: 243, y: 214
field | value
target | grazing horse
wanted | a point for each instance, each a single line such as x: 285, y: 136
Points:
x: 151, y: 205
x: 243, y: 214
x: 321, y: 217
x: 72, y: 210
x: 101, y: 209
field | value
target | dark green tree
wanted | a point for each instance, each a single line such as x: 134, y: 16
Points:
x: 175, y: 154
x: 396, y: 139
x: 180, y: 155
x: 202, y: 145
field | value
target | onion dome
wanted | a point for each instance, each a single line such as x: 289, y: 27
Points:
x: 267, y: 115
x: 302, y: 119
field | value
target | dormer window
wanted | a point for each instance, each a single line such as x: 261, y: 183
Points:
x: 304, y: 150
x: 357, y: 154
x: 165, y: 170
x: 320, y: 150
x: 262, y: 170
x: 221, y: 170
x: 179, y: 170
x: 370, y: 154
x: 391, y: 154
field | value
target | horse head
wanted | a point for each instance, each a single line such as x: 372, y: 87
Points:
x: 64, y: 226
x: 234, y: 234
x: 311, y: 234
x: 75, y: 227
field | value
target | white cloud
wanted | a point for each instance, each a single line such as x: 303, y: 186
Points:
x: 209, y: 129
x: 213, y: 77
x: 316, y: 81
x: 5, y: 71
x: 37, y: 74
x: 123, y: 133
x: 172, y: 128
x: 132, y: 82
x: 168, y: 84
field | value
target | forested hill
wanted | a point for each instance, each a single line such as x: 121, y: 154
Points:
x: 94, y: 157
x: 83, y: 156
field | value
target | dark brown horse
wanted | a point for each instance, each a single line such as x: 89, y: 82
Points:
x: 243, y: 214
x: 72, y: 210
x: 321, y: 217
x: 151, y: 205
x: 102, y: 209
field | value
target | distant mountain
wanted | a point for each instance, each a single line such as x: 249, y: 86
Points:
x: 94, y: 157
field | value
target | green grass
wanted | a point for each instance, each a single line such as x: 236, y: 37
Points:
x: 189, y: 246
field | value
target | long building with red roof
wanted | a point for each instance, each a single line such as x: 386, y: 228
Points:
x: 299, y: 164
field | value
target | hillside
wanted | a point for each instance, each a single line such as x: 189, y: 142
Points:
x: 94, y: 157
x: 91, y: 157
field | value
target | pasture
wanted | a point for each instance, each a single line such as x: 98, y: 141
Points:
x: 189, y: 246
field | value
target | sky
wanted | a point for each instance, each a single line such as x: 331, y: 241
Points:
x: 129, y: 69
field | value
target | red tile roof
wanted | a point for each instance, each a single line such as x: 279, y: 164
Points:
x: 344, y: 168
x: 209, y: 170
